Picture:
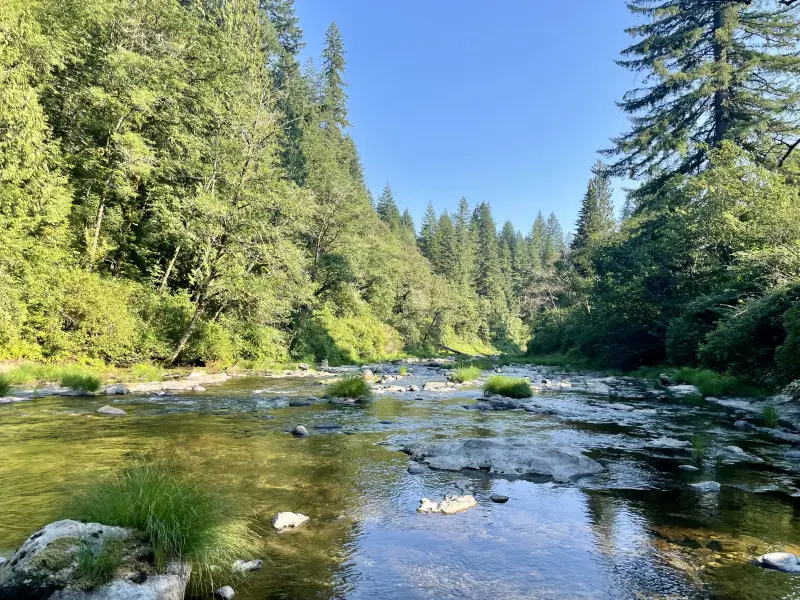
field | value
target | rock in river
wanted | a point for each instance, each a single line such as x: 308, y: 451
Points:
x: 416, y: 470
x: 249, y: 565
x: 706, y: 486
x: 110, y: 410
x: 226, y: 592
x: 300, y: 431
x: 288, y: 520
x: 665, y: 443
x: 504, y: 456
x: 46, y: 566
x: 498, y: 498
x: 451, y: 505
x: 780, y: 561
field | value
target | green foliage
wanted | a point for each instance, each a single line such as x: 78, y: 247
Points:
x: 507, y: 386
x: 5, y: 386
x: 770, y: 415
x: 464, y: 374
x: 96, y: 569
x: 403, y: 371
x: 147, y: 372
x: 350, y: 387
x: 181, y: 520
x: 80, y: 380
x: 700, y: 447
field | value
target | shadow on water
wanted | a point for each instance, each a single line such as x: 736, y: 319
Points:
x: 634, y: 531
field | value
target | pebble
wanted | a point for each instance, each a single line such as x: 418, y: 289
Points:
x: 300, y: 431
x: 288, y: 520
x: 110, y: 410
x: 499, y: 498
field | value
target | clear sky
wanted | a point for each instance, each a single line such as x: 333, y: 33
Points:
x: 505, y: 101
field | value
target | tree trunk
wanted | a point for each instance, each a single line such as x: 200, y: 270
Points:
x: 164, y: 279
x: 721, y: 94
x: 188, y: 332
x: 97, y: 224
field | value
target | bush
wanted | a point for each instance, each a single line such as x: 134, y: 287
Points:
x: 181, y: 520
x: 5, y: 386
x: 351, y: 387
x: 464, y: 374
x: 508, y: 386
x: 80, y: 380
x: 147, y: 372
x: 711, y: 383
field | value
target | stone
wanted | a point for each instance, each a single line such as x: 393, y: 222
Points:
x: 300, y: 431
x: 197, y: 388
x: 247, y: 566
x: 13, y: 399
x: 288, y: 520
x: 498, y: 498
x: 690, y: 468
x: 300, y: 403
x: 742, y: 424
x: 734, y: 454
x: 504, y: 456
x: 666, y: 443
x: 450, y: 505
x: 617, y: 406
x: 413, y: 388
x: 665, y: 379
x: 707, y: 486
x: 367, y: 374
x: 416, y: 470
x: 2, y: 561
x: 46, y: 566
x: 303, y: 366
x: 323, y: 364
x: 792, y: 454
x: 328, y: 426
x: 119, y: 389
x: 780, y: 561
x: 685, y: 390
x: 110, y: 410
x: 226, y: 592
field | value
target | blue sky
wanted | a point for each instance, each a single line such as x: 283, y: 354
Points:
x: 505, y: 102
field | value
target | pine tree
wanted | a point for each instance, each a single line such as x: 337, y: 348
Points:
x: 488, y: 277
x: 445, y: 248
x: 387, y: 209
x: 286, y: 24
x: 596, y: 216
x: 713, y: 70
x: 465, y: 245
x: 408, y: 230
x: 427, y: 232
x: 334, y: 98
x: 536, y: 243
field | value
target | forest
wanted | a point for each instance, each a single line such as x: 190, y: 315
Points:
x: 176, y: 187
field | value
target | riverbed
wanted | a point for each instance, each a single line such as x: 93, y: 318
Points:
x: 636, y: 530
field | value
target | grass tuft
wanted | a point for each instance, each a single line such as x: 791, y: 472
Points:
x: 770, y: 415
x: 508, y: 386
x: 699, y: 448
x: 351, y: 387
x: 95, y: 570
x: 181, y: 520
x: 403, y: 371
x: 5, y: 386
x: 464, y: 374
x: 147, y: 372
x: 80, y: 380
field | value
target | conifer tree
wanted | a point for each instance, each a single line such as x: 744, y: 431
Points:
x: 713, y: 70
x: 445, y: 248
x: 427, y: 232
x: 596, y: 215
x: 408, y: 230
x: 487, y: 259
x: 387, y: 209
x: 465, y: 246
x: 334, y: 98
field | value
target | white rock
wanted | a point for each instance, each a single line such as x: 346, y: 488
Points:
x: 451, y: 505
x: 288, y: 520
x: 224, y: 593
x: 780, y: 561
x: 300, y: 431
x: 249, y: 565
x: 13, y: 399
x: 668, y: 444
x: 119, y: 389
x: 690, y: 468
x: 707, y: 486
x: 110, y: 410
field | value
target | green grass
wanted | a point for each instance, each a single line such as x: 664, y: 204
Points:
x: 483, y: 363
x: 508, y: 386
x: 181, y: 520
x: 147, y: 372
x: 32, y: 372
x: 770, y: 415
x: 80, y: 380
x: 350, y: 387
x: 464, y: 374
x: 403, y: 371
x: 699, y: 448
x: 5, y: 386
x: 94, y: 570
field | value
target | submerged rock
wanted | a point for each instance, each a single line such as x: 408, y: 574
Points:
x: 416, y: 470
x: 110, y: 410
x: 288, y: 520
x: 780, y: 561
x: 498, y: 498
x: 13, y: 399
x: 249, y: 565
x: 666, y: 443
x: 707, y: 486
x: 328, y: 426
x: 46, y: 566
x: 300, y: 403
x: 504, y: 456
x: 690, y: 468
x: 300, y: 431
x: 451, y: 505
x: 742, y: 424
x: 226, y: 592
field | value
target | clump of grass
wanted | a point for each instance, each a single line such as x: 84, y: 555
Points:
x: 699, y: 448
x: 94, y: 570
x: 5, y: 386
x: 403, y: 371
x: 32, y: 372
x: 181, y: 520
x: 464, y: 374
x: 483, y: 364
x: 350, y: 387
x: 80, y: 380
x: 770, y: 415
x: 508, y: 386
x: 147, y: 372
x: 711, y: 383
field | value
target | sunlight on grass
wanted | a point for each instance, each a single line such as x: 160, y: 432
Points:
x: 508, y: 386
x: 464, y: 374
x: 80, y: 380
x: 351, y: 387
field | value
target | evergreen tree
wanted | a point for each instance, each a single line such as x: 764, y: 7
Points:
x: 445, y: 248
x: 596, y: 215
x: 387, y: 209
x: 334, y: 98
x: 536, y: 243
x: 465, y: 245
x: 287, y: 26
x: 408, y: 230
x: 488, y: 277
x: 427, y: 232
x: 713, y: 70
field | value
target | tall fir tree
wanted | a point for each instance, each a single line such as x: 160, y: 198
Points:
x: 488, y: 276
x: 334, y: 98
x: 387, y: 209
x: 713, y: 70
x: 427, y: 232
x: 596, y: 215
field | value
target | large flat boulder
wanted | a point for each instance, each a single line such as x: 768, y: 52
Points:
x: 504, y: 456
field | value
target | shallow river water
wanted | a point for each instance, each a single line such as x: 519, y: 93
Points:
x: 635, y: 531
